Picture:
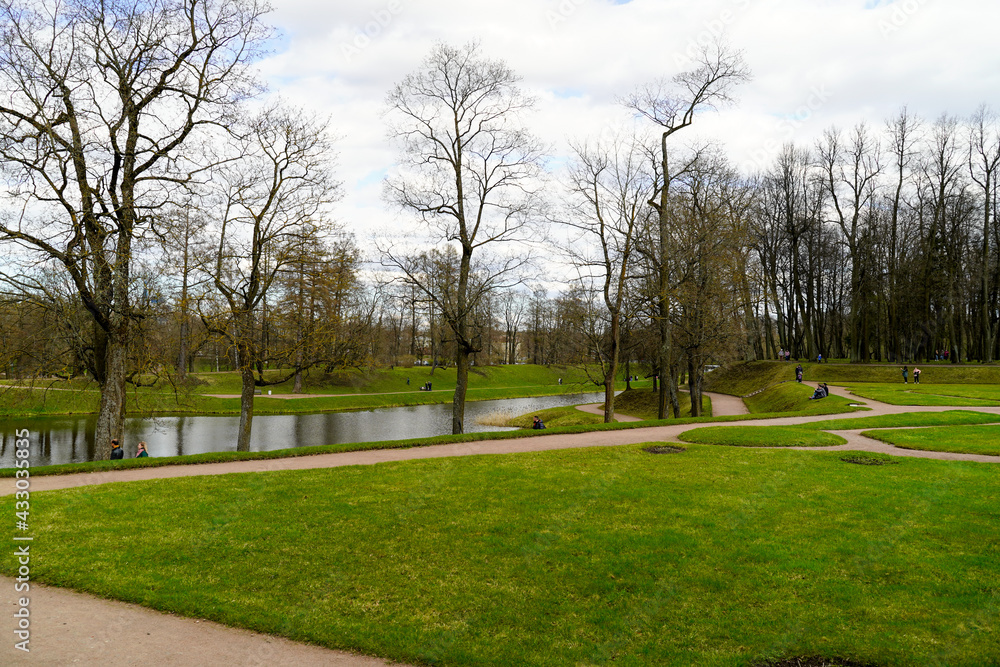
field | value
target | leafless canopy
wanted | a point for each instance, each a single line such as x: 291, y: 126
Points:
x: 467, y: 165
x: 672, y: 103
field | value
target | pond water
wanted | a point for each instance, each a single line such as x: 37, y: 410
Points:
x: 57, y: 440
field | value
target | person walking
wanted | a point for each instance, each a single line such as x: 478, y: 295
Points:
x: 116, y: 451
x: 916, y: 376
x: 141, y: 453
x: 798, y: 373
x: 905, y: 372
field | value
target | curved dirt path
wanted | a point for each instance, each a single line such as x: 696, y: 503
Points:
x: 73, y: 628
x: 598, y: 409
x: 723, y: 405
x: 70, y: 628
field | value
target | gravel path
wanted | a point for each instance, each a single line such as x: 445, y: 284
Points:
x: 72, y: 628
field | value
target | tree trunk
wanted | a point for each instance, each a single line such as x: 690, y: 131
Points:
x: 611, y: 369
x: 112, y: 407
x: 245, y: 349
x: 246, y: 408
x: 694, y: 387
x: 461, y: 387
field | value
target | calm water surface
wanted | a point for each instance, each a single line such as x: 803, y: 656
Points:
x: 71, y: 439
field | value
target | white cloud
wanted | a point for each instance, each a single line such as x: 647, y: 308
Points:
x: 816, y: 63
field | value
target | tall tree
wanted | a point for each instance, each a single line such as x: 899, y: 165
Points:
x: 105, y: 109
x: 271, y: 198
x: 672, y: 105
x: 468, y: 169
x: 851, y: 170
x: 610, y: 184
x: 984, y: 167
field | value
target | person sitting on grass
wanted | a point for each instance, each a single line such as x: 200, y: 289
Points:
x: 537, y: 423
x: 821, y: 392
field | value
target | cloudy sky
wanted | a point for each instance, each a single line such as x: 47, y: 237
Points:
x: 816, y: 63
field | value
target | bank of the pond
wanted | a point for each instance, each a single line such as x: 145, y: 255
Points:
x: 339, y: 391
x: 70, y: 439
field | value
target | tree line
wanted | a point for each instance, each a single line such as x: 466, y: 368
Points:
x: 163, y: 216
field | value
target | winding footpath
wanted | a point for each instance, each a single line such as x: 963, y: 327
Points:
x: 72, y: 628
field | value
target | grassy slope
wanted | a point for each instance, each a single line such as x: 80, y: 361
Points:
x: 794, y: 397
x: 714, y: 557
x: 380, y: 388
x: 643, y: 403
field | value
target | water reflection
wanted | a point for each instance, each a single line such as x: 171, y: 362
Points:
x: 71, y: 439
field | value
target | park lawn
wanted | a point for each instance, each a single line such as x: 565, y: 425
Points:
x: 358, y: 391
x: 711, y: 557
x: 384, y: 380
x: 744, y: 378
x: 927, y: 394
x: 955, y: 439
x: 946, y: 418
x: 762, y: 436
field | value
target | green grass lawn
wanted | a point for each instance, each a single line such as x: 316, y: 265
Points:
x: 946, y: 418
x: 743, y: 378
x: 762, y: 436
x: 956, y: 439
x: 711, y: 557
x: 925, y: 394
x: 345, y: 390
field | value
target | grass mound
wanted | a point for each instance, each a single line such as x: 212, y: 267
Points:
x: 745, y: 378
x: 644, y: 403
x: 762, y: 436
x: 794, y: 397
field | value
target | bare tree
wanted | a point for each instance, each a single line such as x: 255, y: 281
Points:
x: 609, y: 185
x: 672, y: 105
x: 984, y: 166
x: 271, y: 198
x: 105, y: 109
x: 851, y: 173
x: 470, y: 171
x: 901, y: 130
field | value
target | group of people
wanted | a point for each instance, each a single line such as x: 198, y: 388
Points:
x: 916, y: 375
x: 822, y: 391
x: 118, y: 453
